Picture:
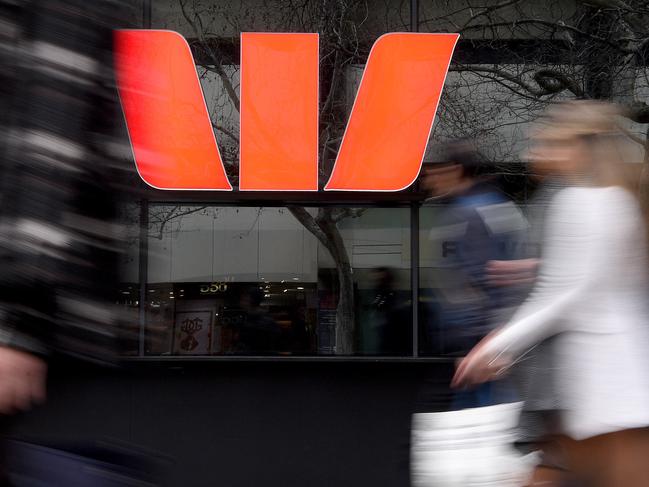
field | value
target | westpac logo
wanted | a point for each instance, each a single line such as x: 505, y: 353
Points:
x: 383, y: 145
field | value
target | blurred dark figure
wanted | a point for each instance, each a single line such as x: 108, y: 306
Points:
x: 59, y: 189
x: 394, y: 328
x: 491, y: 228
x: 259, y: 333
x: 294, y: 335
x: 299, y: 338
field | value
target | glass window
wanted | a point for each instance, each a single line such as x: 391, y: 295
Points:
x: 273, y: 280
x: 128, y: 294
x: 459, y: 300
x: 377, y: 255
x: 260, y: 281
x: 437, y: 250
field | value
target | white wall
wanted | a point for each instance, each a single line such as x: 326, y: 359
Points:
x: 233, y: 244
x: 249, y: 244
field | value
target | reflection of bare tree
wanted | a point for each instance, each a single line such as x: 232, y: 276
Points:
x: 215, y: 26
x: 541, y: 52
x: 160, y: 216
x: 324, y: 227
x: 546, y: 51
x: 516, y: 57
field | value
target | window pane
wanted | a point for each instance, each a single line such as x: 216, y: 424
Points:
x: 377, y: 319
x: 259, y: 281
x: 436, y: 252
x: 128, y: 294
x: 459, y: 302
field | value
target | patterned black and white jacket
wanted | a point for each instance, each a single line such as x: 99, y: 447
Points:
x: 59, y: 176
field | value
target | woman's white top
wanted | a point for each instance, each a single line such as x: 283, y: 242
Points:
x: 592, y: 290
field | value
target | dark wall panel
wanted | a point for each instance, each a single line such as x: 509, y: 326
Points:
x: 248, y: 424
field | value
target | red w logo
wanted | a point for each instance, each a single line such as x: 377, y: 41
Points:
x: 384, y: 142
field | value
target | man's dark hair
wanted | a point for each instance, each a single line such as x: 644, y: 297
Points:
x: 464, y: 153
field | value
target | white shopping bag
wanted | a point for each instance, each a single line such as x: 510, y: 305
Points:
x: 469, y: 447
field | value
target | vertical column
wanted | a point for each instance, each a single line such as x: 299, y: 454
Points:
x: 414, y: 15
x: 414, y: 274
x: 143, y: 258
x: 143, y: 271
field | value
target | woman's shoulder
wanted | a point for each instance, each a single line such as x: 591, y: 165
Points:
x: 605, y: 196
x: 574, y: 202
x: 604, y: 208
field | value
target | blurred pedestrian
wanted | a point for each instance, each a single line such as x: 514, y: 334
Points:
x: 60, y: 188
x: 470, y: 441
x: 491, y: 227
x: 590, y: 294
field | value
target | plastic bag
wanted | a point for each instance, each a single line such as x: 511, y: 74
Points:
x: 468, y: 447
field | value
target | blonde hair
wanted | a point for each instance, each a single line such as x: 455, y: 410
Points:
x: 597, y: 123
x: 610, y: 161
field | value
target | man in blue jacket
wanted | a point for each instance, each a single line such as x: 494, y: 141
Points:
x: 487, y: 227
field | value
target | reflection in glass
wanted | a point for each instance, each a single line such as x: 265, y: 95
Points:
x: 257, y: 281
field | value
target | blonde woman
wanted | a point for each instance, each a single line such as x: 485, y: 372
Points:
x: 592, y: 294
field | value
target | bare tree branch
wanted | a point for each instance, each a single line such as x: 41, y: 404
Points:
x: 173, y: 213
x: 341, y: 213
x: 617, y: 4
x: 218, y: 67
x: 553, y: 81
x: 309, y: 222
x: 490, y: 9
x: 227, y: 132
x: 476, y: 68
x: 637, y: 111
x: 558, y: 25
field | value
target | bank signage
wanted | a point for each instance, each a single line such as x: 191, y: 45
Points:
x: 383, y: 145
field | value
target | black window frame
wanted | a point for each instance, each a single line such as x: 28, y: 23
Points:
x: 411, y: 198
